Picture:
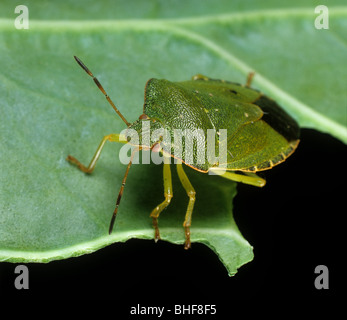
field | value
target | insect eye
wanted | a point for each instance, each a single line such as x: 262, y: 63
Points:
x: 143, y: 117
x: 128, y: 139
x: 156, y: 147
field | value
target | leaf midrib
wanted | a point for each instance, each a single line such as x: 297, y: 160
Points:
x: 278, y: 14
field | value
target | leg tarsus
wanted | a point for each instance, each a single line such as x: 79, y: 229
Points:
x: 168, y: 194
x: 80, y: 166
x: 191, y: 194
x: 91, y: 166
x: 156, y: 212
x: 187, y: 244
x: 156, y: 232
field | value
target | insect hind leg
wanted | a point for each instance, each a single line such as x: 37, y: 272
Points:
x: 246, y: 177
x: 168, y: 194
x: 191, y: 194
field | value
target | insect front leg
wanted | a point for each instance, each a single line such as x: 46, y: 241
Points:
x: 91, y: 166
x: 191, y: 194
x: 168, y: 194
x: 120, y: 194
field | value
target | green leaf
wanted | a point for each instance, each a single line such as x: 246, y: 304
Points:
x: 50, y: 108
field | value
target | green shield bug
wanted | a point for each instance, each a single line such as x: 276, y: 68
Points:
x: 255, y: 133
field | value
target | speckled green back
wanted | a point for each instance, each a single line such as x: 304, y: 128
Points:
x: 259, y: 133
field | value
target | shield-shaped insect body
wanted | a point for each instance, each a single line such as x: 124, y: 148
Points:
x: 213, y: 126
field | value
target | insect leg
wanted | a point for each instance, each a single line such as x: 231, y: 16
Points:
x: 191, y: 194
x: 199, y: 77
x: 168, y: 194
x: 121, y: 190
x: 247, y: 178
x: 90, y: 168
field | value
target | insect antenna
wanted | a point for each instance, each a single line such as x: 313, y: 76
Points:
x: 84, y: 67
x: 121, y: 190
x: 249, y: 79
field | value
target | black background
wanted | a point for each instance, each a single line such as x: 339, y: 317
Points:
x: 294, y: 224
